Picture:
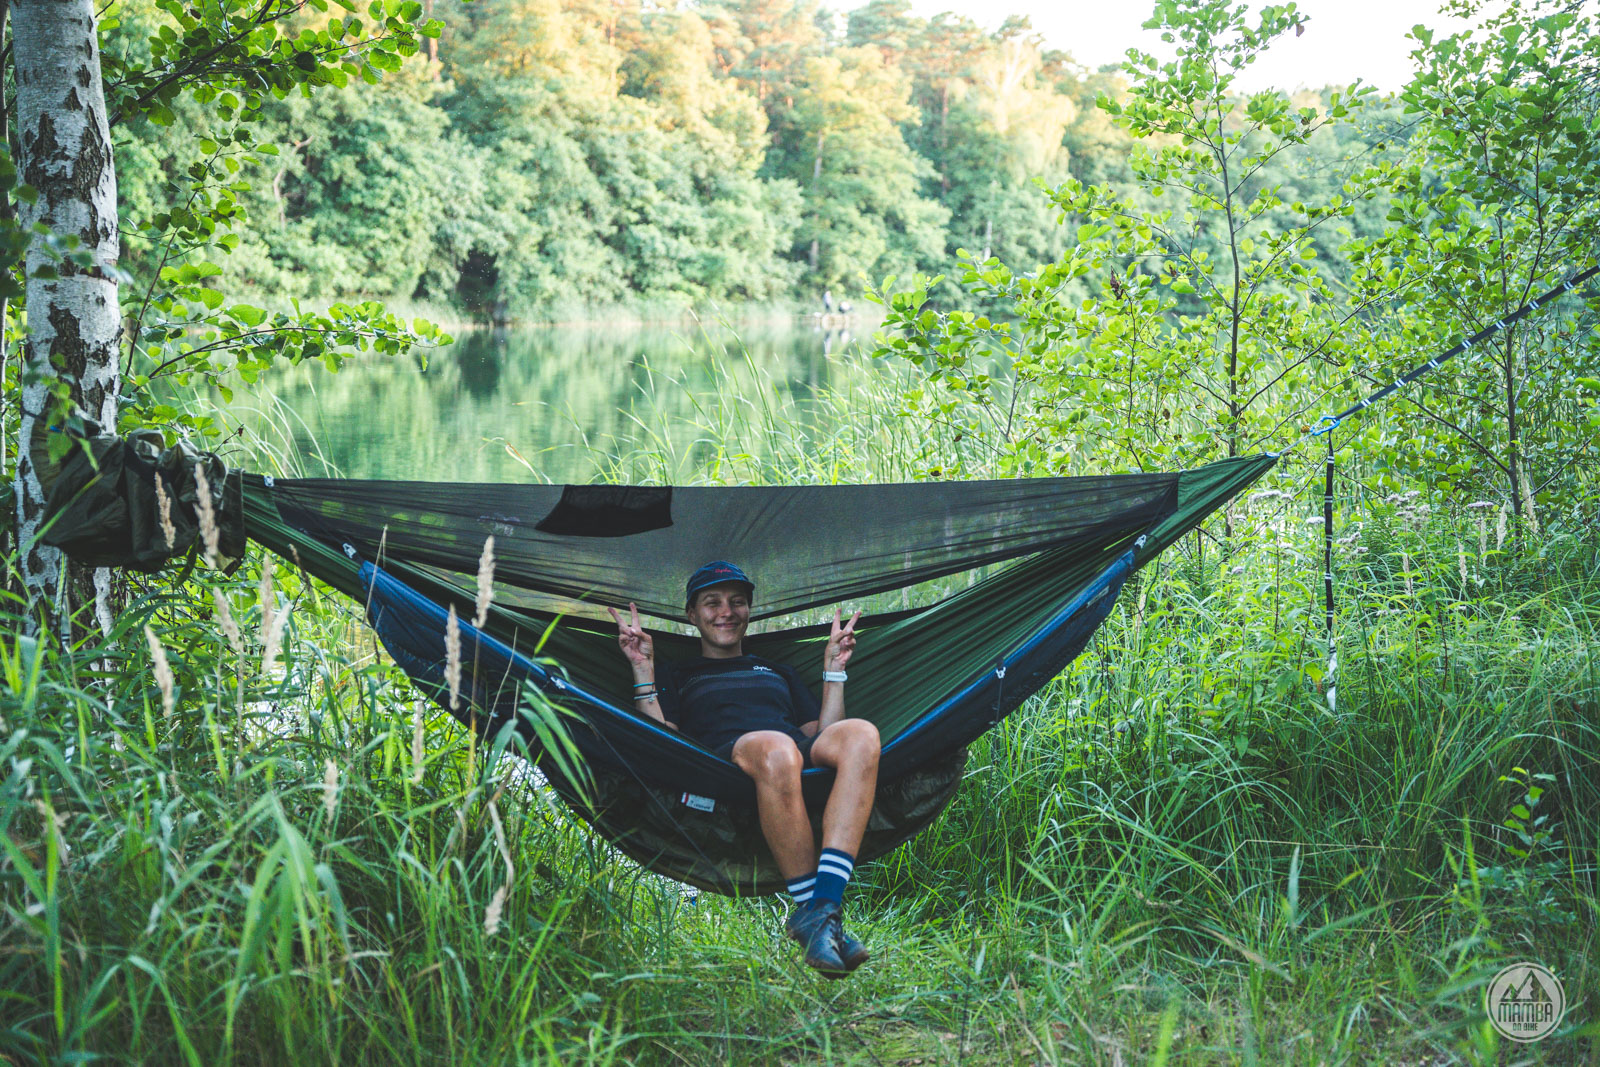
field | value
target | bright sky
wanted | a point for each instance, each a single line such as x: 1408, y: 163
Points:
x: 1344, y: 39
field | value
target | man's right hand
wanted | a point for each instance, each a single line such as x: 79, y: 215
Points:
x: 635, y: 642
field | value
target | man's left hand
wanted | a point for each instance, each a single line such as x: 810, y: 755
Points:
x: 841, y: 642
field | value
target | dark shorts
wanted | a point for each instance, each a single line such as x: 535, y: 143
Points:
x: 803, y: 743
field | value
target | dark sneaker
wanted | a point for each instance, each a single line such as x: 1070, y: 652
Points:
x: 851, y: 951
x: 815, y: 924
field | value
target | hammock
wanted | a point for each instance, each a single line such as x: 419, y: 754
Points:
x: 931, y: 678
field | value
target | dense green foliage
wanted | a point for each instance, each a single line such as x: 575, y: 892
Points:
x: 550, y: 155
x: 1227, y: 322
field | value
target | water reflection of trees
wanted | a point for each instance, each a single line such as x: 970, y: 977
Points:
x: 569, y: 400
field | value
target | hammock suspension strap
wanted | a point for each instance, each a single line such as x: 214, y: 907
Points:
x: 1327, y: 574
x: 1328, y: 423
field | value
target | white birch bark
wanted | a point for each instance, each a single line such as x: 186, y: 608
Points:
x: 73, y: 320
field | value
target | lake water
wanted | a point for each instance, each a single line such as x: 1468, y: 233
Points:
x: 557, y: 403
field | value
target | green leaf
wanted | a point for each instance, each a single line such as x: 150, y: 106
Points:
x: 248, y: 314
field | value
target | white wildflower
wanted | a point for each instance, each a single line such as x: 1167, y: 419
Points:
x: 1500, y: 526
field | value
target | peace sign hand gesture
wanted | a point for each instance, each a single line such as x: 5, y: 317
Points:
x: 841, y: 643
x: 636, y: 644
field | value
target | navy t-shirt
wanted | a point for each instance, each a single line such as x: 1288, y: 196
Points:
x: 716, y: 701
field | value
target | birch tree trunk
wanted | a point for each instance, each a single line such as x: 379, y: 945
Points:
x: 73, y: 321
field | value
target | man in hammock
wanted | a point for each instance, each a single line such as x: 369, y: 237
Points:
x: 760, y: 716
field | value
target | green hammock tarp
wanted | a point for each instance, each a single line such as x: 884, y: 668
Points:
x: 932, y: 676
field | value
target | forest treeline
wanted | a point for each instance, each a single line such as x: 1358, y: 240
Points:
x: 544, y: 154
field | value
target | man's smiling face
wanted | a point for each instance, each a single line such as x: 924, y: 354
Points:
x: 721, y: 613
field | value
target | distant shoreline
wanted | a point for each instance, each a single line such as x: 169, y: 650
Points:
x: 863, y: 317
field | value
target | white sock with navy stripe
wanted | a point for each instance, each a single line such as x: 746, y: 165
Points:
x: 833, y: 872
x: 801, y: 888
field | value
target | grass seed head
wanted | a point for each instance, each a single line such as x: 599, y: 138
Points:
x: 417, y: 752
x: 208, y: 518
x: 330, y: 786
x: 265, y: 593
x: 163, y: 671
x: 485, y: 582
x: 273, y: 621
x: 452, y: 658
x: 491, y: 914
x: 230, y: 628
x: 169, y: 533
x: 54, y: 821
x: 500, y: 841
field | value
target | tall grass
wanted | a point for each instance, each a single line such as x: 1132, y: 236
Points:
x: 1177, y: 853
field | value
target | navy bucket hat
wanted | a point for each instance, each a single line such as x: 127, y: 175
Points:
x: 716, y: 573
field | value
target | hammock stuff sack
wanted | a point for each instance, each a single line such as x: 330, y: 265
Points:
x: 931, y: 678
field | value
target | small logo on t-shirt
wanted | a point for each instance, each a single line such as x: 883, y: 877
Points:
x: 759, y: 667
